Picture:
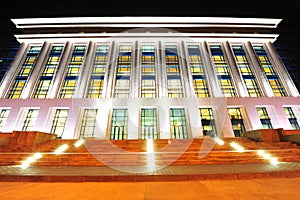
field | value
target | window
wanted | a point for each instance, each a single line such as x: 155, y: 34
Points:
x: 197, y: 71
x: 30, y: 119
x: 246, y: 71
x: 48, y: 73
x: 59, y: 122
x: 119, y: 124
x: 148, y: 74
x: 237, y: 121
x: 174, y: 84
x: 178, y: 124
x: 149, y: 123
x: 222, y: 71
x: 3, y: 117
x: 98, y: 72
x: 208, y: 122
x: 24, y: 73
x: 122, y: 83
x: 264, y: 118
x: 292, y: 118
x: 271, y: 74
x: 88, y: 123
x: 73, y: 72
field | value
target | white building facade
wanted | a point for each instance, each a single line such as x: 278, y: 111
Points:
x: 159, y: 78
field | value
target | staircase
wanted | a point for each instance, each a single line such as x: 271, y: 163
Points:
x: 94, y: 152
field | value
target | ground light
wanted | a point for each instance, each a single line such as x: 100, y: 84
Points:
x: 79, y: 143
x: 61, y: 149
x: 26, y: 163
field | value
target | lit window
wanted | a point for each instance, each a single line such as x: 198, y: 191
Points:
x: 271, y: 74
x: 149, y: 123
x: 246, y: 71
x: 178, y: 124
x: 24, y: 73
x: 3, y: 117
x: 122, y: 82
x: 48, y: 73
x: 148, y: 74
x: 208, y: 122
x: 222, y: 70
x: 292, y: 118
x: 197, y: 71
x: 98, y: 72
x: 237, y: 121
x: 119, y: 124
x: 59, y: 122
x: 30, y: 119
x: 174, y: 84
x: 88, y: 123
x: 264, y: 118
x: 73, y: 72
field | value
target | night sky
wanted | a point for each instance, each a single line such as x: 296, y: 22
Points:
x: 288, y: 10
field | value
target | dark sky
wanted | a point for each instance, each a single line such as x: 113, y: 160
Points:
x: 288, y: 10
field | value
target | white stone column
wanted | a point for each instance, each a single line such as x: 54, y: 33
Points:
x: 281, y: 70
x: 58, y: 78
x: 162, y: 76
x: 13, y: 69
x: 212, y: 79
x: 258, y: 71
x: 110, y: 74
x: 83, y: 80
x: 135, y: 71
x: 187, y: 80
x: 235, y: 74
x: 34, y: 76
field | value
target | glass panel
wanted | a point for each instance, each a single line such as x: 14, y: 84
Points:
x: 30, y: 119
x: 59, y: 122
x: 198, y: 75
x: 24, y: 73
x: 148, y: 87
x: 178, y: 124
x: 208, y: 122
x: 149, y: 123
x: 73, y: 72
x: 264, y: 117
x: 3, y: 117
x: 237, y: 121
x: 119, y: 125
x: 88, y: 123
x: 292, y: 118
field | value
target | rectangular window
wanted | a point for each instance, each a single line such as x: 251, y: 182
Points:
x: 197, y: 71
x: 174, y: 83
x: 98, y: 72
x: 148, y: 74
x: 246, y: 71
x: 222, y: 70
x: 270, y: 72
x: 264, y: 118
x: 119, y: 124
x: 122, y: 82
x: 237, y: 121
x: 3, y: 117
x: 208, y: 122
x: 178, y: 124
x: 24, y: 73
x: 48, y: 73
x: 292, y: 118
x: 59, y: 122
x: 30, y: 119
x: 88, y: 123
x: 149, y: 123
x: 73, y: 72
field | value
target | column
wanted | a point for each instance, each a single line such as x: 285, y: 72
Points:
x: 208, y: 65
x: 61, y: 71
x: 287, y: 81
x: 236, y: 76
x: 83, y: 81
x: 161, y: 72
x: 34, y: 76
x: 135, y: 71
x: 13, y: 69
x: 187, y: 81
x: 259, y: 72
x: 110, y: 72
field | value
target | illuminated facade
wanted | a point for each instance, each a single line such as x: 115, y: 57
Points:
x: 147, y: 77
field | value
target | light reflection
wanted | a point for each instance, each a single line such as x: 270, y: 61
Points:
x: 150, y: 155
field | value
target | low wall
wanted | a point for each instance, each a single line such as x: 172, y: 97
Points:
x: 25, y: 137
x: 263, y: 135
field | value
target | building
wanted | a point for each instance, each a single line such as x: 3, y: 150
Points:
x: 147, y: 78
